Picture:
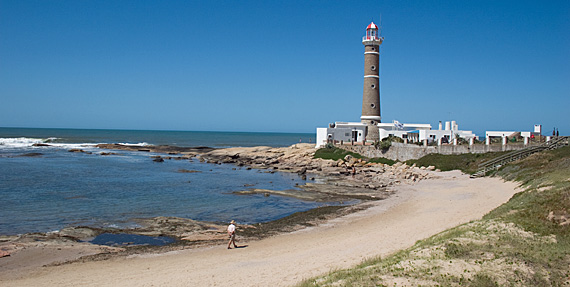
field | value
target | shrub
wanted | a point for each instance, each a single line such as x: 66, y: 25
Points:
x: 334, y: 153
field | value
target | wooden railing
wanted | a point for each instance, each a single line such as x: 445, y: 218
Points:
x: 496, y: 163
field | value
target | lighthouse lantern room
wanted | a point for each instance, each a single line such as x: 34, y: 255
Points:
x: 371, y: 32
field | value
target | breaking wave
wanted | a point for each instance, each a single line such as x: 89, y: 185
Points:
x: 23, y: 142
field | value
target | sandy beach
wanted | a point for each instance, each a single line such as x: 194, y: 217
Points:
x: 414, y: 212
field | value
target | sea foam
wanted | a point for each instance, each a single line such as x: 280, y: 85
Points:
x: 19, y: 142
x: 23, y: 142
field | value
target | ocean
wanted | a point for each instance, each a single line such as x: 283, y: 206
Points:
x: 47, y: 188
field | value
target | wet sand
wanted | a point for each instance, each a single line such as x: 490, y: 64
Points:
x: 415, y: 211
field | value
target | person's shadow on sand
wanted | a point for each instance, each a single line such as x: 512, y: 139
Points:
x: 240, y: 246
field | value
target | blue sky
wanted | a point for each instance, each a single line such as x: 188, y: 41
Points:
x: 281, y: 66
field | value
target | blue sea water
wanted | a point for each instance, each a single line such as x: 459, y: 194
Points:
x: 48, y: 188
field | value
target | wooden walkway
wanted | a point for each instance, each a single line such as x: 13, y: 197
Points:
x: 496, y: 163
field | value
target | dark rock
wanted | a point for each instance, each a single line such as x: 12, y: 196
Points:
x: 158, y: 160
x: 40, y: 144
x: 188, y: 171
x: 32, y: 154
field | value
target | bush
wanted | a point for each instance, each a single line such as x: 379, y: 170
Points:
x: 334, y: 153
x: 386, y: 142
x: 384, y: 145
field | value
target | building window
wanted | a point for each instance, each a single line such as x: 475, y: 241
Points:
x: 372, y: 122
x: 373, y: 68
x: 372, y: 105
x: 373, y: 86
x: 373, y: 49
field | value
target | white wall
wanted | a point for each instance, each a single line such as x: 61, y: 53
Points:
x: 498, y: 133
x: 321, y: 137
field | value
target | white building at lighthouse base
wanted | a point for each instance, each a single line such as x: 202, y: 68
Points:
x: 347, y: 132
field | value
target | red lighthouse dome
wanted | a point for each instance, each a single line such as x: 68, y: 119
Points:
x: 372, y: 26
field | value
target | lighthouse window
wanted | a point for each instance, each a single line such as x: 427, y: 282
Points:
x: 373, y: 86
x: 373, y: 68
x: 372, y: 105
x: 373, y: 49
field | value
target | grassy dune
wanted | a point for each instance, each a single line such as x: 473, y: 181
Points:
x: 467, y: 162
x: 524, y: 242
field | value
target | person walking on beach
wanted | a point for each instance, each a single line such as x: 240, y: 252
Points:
x: 232, y: 234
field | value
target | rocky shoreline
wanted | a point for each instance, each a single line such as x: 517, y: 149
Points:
x: 327, y: 181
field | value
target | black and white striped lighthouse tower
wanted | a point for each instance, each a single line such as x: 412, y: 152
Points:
x: 371, y: 93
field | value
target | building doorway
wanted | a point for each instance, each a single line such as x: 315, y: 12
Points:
x: 355, y: 135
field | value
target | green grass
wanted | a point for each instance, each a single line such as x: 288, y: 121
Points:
x: 514, y: 245
x: 334, y: 153
x: 467, y: 163
x: 382, y: 160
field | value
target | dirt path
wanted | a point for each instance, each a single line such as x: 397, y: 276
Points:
x: 415, y: 212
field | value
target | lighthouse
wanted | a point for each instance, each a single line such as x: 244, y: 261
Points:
x: 371, y: 92
x: 370, y: 128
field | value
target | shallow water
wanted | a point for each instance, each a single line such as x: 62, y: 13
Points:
x: 122, y: 239
x: 59, y: 188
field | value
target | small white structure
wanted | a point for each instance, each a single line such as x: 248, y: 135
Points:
x: 505, y: 134
x: 498, y: 134
x: 341, y: 132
